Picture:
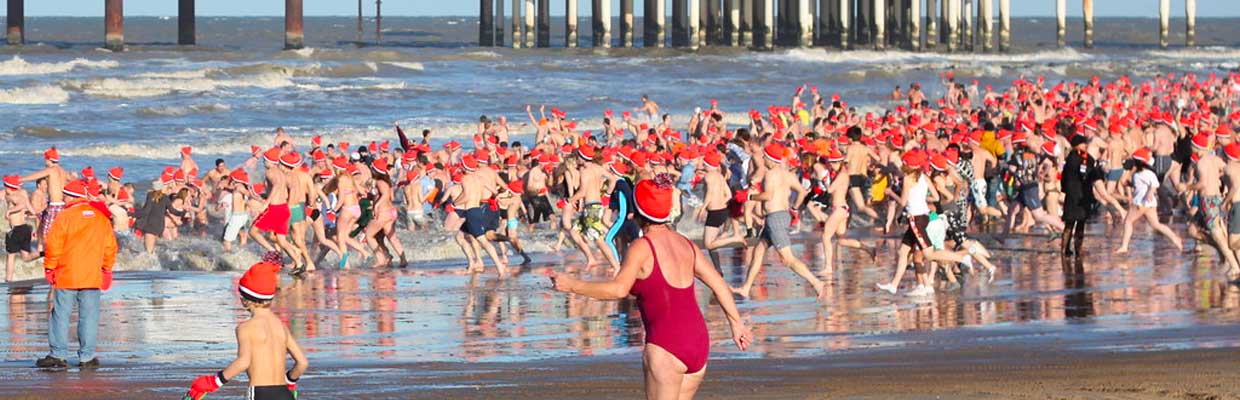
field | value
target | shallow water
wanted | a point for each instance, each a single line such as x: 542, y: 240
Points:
x: 1151, y: 299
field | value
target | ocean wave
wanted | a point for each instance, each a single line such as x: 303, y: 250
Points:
x: 412, y: 66
x: 47, y: 132
x: 918, y: 60
x: 176, y: 111
x: 152, y: 87
x: 19, y: 66
x: 42, y: 94
x: 1213, y: 53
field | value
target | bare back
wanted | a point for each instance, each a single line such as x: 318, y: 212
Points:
x: 267, y: 341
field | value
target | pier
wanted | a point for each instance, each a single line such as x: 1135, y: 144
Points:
x: 951, y: 25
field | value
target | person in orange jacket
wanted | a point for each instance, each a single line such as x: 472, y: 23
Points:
x: 80, y: 252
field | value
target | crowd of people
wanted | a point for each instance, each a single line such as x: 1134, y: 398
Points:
x: 1032, y: 157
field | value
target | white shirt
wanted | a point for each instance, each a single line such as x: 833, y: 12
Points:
x: 916, y: 204
x: 1144, y: 183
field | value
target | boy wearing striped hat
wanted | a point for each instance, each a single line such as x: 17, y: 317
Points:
x: 262, y: 342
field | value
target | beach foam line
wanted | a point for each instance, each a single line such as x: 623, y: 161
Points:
x: 915, y: 60
x: 41, y: 94
x: 19, y: 66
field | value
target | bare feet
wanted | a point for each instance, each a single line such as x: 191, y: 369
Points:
x: 1121, y: 250
x: 742, y: 292
x: 820, y: 288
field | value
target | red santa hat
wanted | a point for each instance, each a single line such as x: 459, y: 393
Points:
x: 260, y: 282
x: 116, y: 173
x: 76, y: 188
x: 654, y: 198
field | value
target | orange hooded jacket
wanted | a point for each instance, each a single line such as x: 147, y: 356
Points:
x: 80, y: 247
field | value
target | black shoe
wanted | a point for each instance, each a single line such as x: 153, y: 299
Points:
x: 51, y: 362
x: 92, y: 364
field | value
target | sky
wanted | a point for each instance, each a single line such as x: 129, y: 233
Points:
x: 94, y: 8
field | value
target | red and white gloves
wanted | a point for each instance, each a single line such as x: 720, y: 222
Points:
x: 205, y: 384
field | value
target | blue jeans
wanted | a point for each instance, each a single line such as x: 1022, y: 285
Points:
x: 87, y: 301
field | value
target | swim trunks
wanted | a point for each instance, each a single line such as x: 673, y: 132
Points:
x: 540, y: 209
x: 978, y: 188
x: 856, y: 181
x: 513, y: 223
x: 1114, y: 175
x: 297, y: 213
x: 49, y: 215
x: 590, y: 221
x: 18, y: 239
x: 716, y: 218
x: 1210, y: 209
x: 235, y: 224
x: 1029, y: 197
x: 775, y: 232
x: 915, y: 236
x: 1233, y: 225
x: 274, y: 392
x: 476, y: 222
x: 274, y: 219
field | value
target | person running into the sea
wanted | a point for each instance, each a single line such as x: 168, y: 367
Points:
x: 348, y: 197
x: 916, y: 198
x: 236, y: 198
x: 263, y: 342
x: 384, y: 223
x: 976, y: 161
x: 858, y: 161
x: 1145, y: 199
x: 17, y: 242
x: 275, y: 218
x: 1232, y: 173
x: 715, y: 211
x: 1023, y: 167
x: 512, y: 209
x: 778, y: 186
x: 1209, y: 173
x: 474, y: 190
x: 590, y: 227
x: 661, y: 274
x: 56, y: 178
x: 834, y: 179
x: 302, y: 193
x: 80, y: 253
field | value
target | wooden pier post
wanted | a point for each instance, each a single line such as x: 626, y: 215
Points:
x: 486, y: 23
x: 626, y: 23
x: 499, y: 23
x: 953, y: 24
x: 747, y: 24
x: 1088, y: 6
x: 825, y: 23
x: 846, y: 22
x: 763, y: 21
x: 185, y: 22
x: 880, y: 24
x: 1061, y: 23
x: 527, y: 17
x: 914, y: 25
x: 544, y: 23
x: 600, y: 13
x: 694, y: 34
x: 864, y: 22
x: 378, y: 21
x: 114, y: 25
x: 680, y: 23
x: 986, y: 29
x: 732, y: 23
x: 968, y: 25
x: 932, y: 25
x: 570, y: 23
x: 805, y: 16
x: 1190, y: 19
x: 712, y: 30
x: 656, y: 16
x: 294, y: 38
x: 15, y: 22
x: 1005, y: 25
x: 1164, y: 22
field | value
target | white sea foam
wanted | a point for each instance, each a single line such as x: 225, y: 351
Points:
x: 1203, y: 54
x: 151, y: 87
x: 412, y: 66
x: 42, y: 94
x: 19, y: 66
x: 913, y: 60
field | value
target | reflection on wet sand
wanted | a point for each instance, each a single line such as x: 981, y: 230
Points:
x: 445, y: 315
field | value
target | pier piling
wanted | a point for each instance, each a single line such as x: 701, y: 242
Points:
x: 1088, y: 12
x: 914, y: 25
x: 185, y: 22
x: 600, y: 12
x: 517, y: 41
x: 880, y: 24
x: 1190, y: 20
x: 15, y: 22
x: 732, y: 25
x: 570, y: 23
x: 626, y: 23
x: 527, y: 16
x: 680, y: 23
x: 986, y: 21
x: 932, y: 25
x: 294, y: 38
x: 114, y: 25
x: 845, y: 23
x: 763, y: 19
x: 1005, y: 25
x: 1164, y: 22
x: 544, y: 23
x: 1061, y: 23
x: 694, y: 34
x: 747, y: 23
x: 953, y: 24
x: 486, y: 24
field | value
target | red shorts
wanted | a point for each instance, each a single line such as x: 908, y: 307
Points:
x: 274, y: 219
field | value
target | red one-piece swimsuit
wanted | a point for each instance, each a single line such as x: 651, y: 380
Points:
x: 672, y: 318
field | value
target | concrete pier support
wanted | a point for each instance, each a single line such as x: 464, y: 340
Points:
x: 499, y: 23
x: 114, y: 25
x: 1061, y: 23
x: 805, y: 21
x: 694, y: 34
x: 15, y: 22
x: 932, y: 24
x: 1088, y: 12
x: 527, y: 17
x: 680, y: 23
x: 185, y: 22
x: 1005, y: 25
x: 945, y: 11
x: 732, y: 23
x: 825, y: 23
x: 966, y: 24
x: 626, y: 23
x: 600, y: 13
x: 747, y: 23
x: 914, y: 25
x: 517, y: 40
x: 987, y: 23
x: 880, y: 24
x: 1190, y: 17
x: 486, y: 23
x: 763, y: 21
x: 863, y: 23
x: 570, y: 23
x: 1164, y: 22
x: 544, y: 23
x: 846, y: 23
x: 294, y: 38
x: 712, y: 30
x: 953, y: 24
x: 656, y: 16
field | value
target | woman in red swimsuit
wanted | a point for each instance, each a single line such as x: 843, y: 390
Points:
x: 660, y: 273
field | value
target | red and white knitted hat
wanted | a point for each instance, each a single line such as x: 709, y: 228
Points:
x: 654, y: 198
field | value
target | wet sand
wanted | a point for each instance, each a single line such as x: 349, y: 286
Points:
x: 1152, y: 324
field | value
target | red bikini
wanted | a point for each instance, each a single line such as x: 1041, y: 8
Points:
x: 672, y: 318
